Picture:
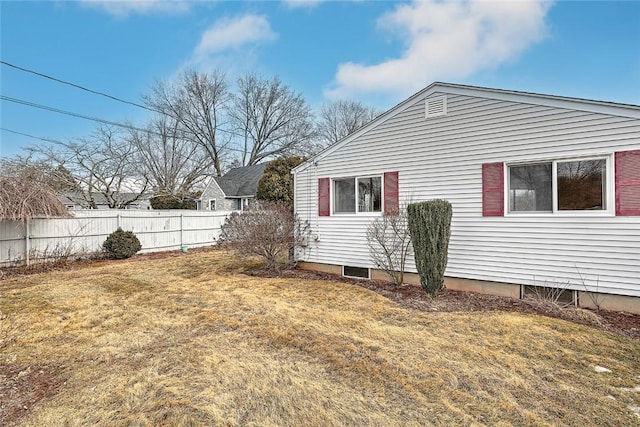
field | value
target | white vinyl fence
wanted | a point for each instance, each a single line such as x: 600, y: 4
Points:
x: 41, y: 238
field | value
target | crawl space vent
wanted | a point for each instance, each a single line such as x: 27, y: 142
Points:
x: 436, y: 107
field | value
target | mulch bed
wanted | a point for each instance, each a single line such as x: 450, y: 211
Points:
x: 415, y: 297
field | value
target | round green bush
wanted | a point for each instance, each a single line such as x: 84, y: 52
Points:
x: 121, y: 244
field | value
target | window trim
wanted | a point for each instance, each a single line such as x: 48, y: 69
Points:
x: 609, y: 196
x: 357, y: 212
x: 212, y: 202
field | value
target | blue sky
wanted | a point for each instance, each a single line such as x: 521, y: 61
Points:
x: 376, y: 52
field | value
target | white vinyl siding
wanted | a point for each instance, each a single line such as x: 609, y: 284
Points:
x: 442, y: 157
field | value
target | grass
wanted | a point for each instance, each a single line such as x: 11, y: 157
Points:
x: 190, y: 340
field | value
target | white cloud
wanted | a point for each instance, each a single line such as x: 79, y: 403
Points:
x: 125, y: 7
x: 444, y: 40
x: 227, y: 34
x: 298, y: 4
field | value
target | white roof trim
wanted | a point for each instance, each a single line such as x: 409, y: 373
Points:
x: 602, y: 107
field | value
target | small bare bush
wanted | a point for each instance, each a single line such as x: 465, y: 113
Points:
x: 553, y: 293
x: 389, y: 241
x: 593, y: 291
x: 266, y: 229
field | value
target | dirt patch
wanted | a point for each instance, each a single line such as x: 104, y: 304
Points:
x: 22, y: 387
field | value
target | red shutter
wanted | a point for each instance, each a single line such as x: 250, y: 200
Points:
x: 628, y: 183
x: 391, y: 200
x: 324, y: 197
x: 493, y: 189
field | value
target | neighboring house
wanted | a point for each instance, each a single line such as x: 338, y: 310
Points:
x: 233, y: 191
x: 545, y: 191
x: 75, y: 201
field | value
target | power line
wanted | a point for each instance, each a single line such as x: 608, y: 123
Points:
x: 95, y: 92
x: 97, y: 119
x: 55, y: 141
x: 31, y: 136
x: 69, y: 113
x: 153, y: 110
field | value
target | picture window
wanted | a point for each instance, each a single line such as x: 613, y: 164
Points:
x: 366, y: 196
x: 558, y: 186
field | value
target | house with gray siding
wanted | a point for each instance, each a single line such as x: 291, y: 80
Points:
x: 232, y: 191
x: 545, y: 191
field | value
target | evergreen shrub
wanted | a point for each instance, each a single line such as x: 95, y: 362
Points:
x: 175, y: 201
x: 430, y: 230
x: 121, y: 244
x: 276, y: 184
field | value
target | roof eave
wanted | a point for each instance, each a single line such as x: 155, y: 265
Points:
x: 603, y: 107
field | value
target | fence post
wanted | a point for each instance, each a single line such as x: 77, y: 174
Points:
x: 27, y: 244
x: 118, y: 221
x: 181, y: 230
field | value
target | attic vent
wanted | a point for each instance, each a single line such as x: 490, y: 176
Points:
x: 436, y: 107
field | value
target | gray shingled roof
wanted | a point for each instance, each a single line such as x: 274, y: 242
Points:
x: 71, y: 198
x: 241, y: 182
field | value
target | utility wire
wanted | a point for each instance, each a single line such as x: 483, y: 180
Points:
x: 115, y: 98
x: 97, y: 119
x: 69, y: 113
x: 31, y: 136
x: 153, y: 110
x: 55, y: 141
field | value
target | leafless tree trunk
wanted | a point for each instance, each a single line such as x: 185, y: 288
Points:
x: 341, y: 118
x: 198, y: 102
x: 104, y: 164
x: 173, y: 162
x: 270, y: 119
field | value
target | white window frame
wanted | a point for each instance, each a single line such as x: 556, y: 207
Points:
x: 609, y: 198
x: 357, y: 277
x: 212, y: 204
x: 355, y: 178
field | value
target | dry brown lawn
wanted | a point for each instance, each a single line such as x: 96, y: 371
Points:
x: 190, y: 340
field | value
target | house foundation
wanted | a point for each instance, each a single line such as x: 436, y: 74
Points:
x: 590, y: 300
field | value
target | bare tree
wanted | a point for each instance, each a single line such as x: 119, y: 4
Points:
x: 341, y: 118
x: 27, y: 190
x: 270, y: 118
x: 197, y: 101
x: 173, y: 162
x: 104, y: 164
